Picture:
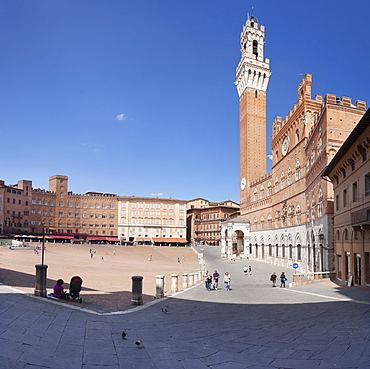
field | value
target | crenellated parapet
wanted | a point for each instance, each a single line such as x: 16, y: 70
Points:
x: 252, y: 71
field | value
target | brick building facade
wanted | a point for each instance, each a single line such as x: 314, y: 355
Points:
x: 204, y: 219
x: 62, y: 211
x: 290, y: 209
x: 349, y: 171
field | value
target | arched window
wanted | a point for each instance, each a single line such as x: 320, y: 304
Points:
x: 269, y: 189
x: 289, y: 176
x: 338, y: 235
x: 298, y: 170
x: 346, y: 234
x: 255, y: 47
x: 269, y: 220
x: 299, y: 252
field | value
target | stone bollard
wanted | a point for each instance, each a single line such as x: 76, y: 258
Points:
x: 191, y: 280
x: 174, y: 283
x: 40, y: 287
x: 137, y: 290
x: 195, y: 278
x: 184, y: 280
x: 159, y: 286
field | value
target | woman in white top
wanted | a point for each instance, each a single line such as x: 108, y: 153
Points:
x: 227, y: 280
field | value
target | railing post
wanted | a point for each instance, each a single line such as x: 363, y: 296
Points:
x: 184, y: 280
x: 174, y: 283
x: 137, y: 290
x: 191, y: 280
x: 159, y: 288
x: 195, y: 278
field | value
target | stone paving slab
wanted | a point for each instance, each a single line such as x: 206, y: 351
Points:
x: 251, y: 326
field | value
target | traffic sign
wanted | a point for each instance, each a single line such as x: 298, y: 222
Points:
x: 295, y: 265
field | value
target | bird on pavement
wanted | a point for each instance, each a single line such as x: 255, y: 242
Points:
x: 165, y: 309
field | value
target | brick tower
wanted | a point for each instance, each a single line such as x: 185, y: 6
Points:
x: 252, y: 76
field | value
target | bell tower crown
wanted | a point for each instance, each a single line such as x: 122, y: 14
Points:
x: 253, y: 71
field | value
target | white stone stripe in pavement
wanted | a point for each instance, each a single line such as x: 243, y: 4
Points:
x: 328, y: 297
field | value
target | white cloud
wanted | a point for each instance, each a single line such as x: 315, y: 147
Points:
x: 121, y: 117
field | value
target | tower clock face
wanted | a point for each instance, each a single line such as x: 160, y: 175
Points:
x: 243, y: 183
x: 285, y: 146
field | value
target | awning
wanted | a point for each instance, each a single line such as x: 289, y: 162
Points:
x: 70, y: 234
x: 99, y: 238
x: 170, y: 240
x: 142, y: 239
x: 59, y: 237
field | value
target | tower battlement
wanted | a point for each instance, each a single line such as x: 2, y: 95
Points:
x: 304, y: 96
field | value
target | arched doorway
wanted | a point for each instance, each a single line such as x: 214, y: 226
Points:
x: 238, y: 242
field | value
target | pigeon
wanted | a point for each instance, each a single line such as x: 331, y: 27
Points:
x: 138, y: 343
x: 124, y: 334
x: 165, y: 309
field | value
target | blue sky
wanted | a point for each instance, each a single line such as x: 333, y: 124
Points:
x: 137, y: 97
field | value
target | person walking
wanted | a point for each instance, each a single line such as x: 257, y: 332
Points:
x: 283, y: 279
x: 273, y: 279
x: 245, y: 270
x: 227, y: 280
x: 250, y: 270
x: 208, y: 280
x: 216, y: 277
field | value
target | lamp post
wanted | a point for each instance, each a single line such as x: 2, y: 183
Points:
x: 43, y: 247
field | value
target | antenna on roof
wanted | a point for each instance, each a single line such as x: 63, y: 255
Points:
x: 252, y: 17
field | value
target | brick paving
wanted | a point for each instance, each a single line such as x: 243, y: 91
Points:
x: 107, y: 282
x: 256, y: 326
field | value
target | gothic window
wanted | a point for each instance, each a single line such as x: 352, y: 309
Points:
x: 256, y: 224
x: 269, y: 189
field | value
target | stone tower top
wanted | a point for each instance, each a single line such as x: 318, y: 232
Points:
x: 253, y: 71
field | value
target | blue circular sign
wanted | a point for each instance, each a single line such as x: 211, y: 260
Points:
x: 295, y: 265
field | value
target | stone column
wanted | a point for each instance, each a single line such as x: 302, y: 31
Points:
x: 159, y: 286
x: 137, y: 290
x: 184, y: 280
x: 191, y: 280
x: 200, y: 276
x: 40, y: 287
x: 174, y: 283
